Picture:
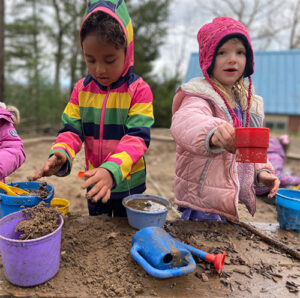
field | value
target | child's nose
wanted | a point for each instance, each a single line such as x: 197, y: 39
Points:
x: 100, y: 69
x: 232, y: 58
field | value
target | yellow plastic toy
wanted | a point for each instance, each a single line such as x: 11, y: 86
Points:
x: 62, y: 205
x: 297, y: 187
x: 12, y: 190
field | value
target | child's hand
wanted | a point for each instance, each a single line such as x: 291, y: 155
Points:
x: 52, y: 166
x: 103, y: 181
x: 271, y: 181
x: 224, y: 137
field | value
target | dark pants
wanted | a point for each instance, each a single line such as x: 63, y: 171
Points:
x: 112, y: 208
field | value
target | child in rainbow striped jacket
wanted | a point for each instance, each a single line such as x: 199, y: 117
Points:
x: 110, y: 110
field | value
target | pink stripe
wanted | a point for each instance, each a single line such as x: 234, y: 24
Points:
x: 118, y: 161
x: 108, y: 11
x: 102, y: 121
x: 143, y: 93
x: 71, y: 139
x: 129, y: 60
x: 134, y: 146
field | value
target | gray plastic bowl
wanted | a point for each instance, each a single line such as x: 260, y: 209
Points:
x: 139, y: 219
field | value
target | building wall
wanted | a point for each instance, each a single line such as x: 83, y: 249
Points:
x: 294, y: 124
x: 277, y: 122
x: 282, y: 123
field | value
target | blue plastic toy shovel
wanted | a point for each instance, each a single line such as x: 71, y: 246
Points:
x: 162, y: 256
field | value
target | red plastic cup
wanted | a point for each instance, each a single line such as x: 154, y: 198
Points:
x: 251, y: 144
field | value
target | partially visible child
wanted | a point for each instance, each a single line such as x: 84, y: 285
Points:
x: 110, y: 111
x: 209, y: 182
x: 277, y: 156
x: 12, y: 153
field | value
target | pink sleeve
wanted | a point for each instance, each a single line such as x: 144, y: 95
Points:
x: 12, y: 153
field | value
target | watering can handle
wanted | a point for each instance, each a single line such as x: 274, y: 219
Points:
x: 166, y: 273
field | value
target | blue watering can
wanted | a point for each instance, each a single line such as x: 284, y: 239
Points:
x: 162, y: 256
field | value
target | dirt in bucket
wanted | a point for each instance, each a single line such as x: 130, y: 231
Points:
x: 149, y: 205
x: 41, y: 192
x: 39, y: 221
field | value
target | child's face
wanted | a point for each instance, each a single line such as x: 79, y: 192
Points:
x: 105, y: 63
x: 230, y: 62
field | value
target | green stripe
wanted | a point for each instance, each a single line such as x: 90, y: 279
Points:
x: 122, y: 13
x: 139, y: 120
x: 116, y: 116
x: 137, y: 179
x: 112, y: 116
x: 89, y: 114
x: 76, y: 123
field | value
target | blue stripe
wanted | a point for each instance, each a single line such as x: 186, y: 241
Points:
x: 69, y: 128
x: 110, y: 131
x: 101, y: 3
x: 91, y: 130
x: 142, y: 132
x: 116, y: 132
x: 129, y: 78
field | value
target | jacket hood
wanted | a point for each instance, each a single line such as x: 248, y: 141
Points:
x: 118, y: 10
x: 6, y: 115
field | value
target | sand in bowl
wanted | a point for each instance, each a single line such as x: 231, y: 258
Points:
x: 39, y: 221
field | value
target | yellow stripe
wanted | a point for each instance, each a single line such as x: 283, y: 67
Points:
x: 90, y: 166
x: 64, y: 145
x: 145, y: 109
x: 89, y: 99
x: 72, y: 111
x: 140, y: 165
x: 118, y: 100
x: 126, y: 162
x: 115, y: 100
x: 129, y: 32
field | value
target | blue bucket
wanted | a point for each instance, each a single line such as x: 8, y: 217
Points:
x: 10, y: 204
x: 140, y: 219
x: 288, y: 209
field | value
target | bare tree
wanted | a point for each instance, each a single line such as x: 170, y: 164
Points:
x: 294, y: 41
x: 2, y: 79
x: 259, y: 16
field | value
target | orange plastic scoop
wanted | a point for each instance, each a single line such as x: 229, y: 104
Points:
x: 80, y: 174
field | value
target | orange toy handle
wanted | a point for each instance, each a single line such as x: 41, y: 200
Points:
x: 80, y: 174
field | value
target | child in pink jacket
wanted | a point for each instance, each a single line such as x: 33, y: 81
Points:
x: 12, y: 153
x: 209, y: 182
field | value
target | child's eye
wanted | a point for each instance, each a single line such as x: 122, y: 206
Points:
x: 110, y: 61
x: 221, y: 53
x: 241, y: 53
x: 90, y: 61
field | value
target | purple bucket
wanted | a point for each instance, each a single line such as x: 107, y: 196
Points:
x: 28, y: 262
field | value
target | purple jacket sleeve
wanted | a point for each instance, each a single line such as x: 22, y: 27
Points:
x: 11, y: 148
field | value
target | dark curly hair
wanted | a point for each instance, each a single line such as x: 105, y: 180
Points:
x: 106, y: 27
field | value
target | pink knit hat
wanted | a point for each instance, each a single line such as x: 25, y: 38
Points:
x: 210, y: 38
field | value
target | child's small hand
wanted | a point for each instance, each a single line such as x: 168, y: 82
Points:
x: 52, y: 166
x: 271, y: 181
x: 103, y: 181
x: 224, y: 137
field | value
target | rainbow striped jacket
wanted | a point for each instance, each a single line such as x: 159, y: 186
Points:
x: 113, y: 122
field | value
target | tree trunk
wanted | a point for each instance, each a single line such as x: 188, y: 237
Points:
x: 2, y: 70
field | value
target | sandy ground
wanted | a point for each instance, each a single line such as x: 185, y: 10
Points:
x: 95, y: 258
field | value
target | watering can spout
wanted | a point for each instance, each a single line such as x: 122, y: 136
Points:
x: 218, y: 260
